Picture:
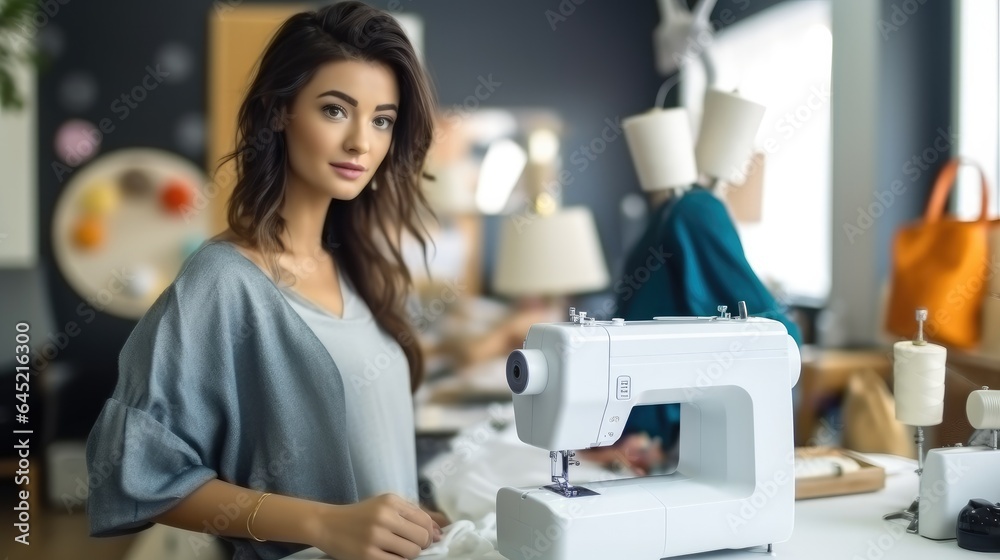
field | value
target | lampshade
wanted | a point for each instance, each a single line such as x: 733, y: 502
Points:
x: 549, y: 255
x: 729, y: 125
x: 451, y: 191
x: 661, y: 147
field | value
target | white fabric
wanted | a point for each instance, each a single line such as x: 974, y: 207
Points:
x: 484, y: 459
x: 376, y: 375
x: 465, y: 540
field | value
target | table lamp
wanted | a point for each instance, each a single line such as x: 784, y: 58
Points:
x: 664, y: 155
x: 554, y: 252
x: 729, y: 125
x: 918, y: 371
x: 662, y: 151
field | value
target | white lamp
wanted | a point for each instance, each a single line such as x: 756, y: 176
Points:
x: 729, y: 126
x: 659, y: 141
x: 552, y: 254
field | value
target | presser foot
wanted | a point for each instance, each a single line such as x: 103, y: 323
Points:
x: 571, y: 491
x: 561, y: 461
x: 911, y: 514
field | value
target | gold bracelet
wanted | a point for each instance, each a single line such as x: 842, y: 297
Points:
x: 253, y: 516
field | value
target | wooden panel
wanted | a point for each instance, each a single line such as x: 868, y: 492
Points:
x: 237, y: 37
x: 471, y: 226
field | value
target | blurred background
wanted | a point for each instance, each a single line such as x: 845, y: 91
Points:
x: 117, y: 113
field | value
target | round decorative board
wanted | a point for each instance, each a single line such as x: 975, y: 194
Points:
x: 124, y: 224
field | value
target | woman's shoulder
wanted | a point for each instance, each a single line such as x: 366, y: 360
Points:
x: 217, y: 266
x: 214, y: 258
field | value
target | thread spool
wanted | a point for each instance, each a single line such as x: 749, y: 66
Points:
x: 918, y: 372
x: 983, y: 409
x: 918, y: 376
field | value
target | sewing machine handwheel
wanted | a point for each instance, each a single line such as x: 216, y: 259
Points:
x: 527, y: 372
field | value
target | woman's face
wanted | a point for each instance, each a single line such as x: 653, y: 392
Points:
x: 339, y: 127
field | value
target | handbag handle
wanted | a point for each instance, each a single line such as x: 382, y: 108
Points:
x: 943, y: 185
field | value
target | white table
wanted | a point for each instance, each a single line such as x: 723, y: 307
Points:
x: 850, y: 528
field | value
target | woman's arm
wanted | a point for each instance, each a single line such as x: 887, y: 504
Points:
x: 383, y: 527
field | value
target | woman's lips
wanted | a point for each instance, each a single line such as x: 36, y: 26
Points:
x: 347, y: 172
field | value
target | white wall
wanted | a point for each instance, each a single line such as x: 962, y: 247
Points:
x: 18, y: 184
x: 854, y: 293
x: 977, y: 79
x: 780, y: 58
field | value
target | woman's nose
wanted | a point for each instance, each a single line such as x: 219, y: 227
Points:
x: 357, y: 140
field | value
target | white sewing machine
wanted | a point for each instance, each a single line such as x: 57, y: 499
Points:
x: 574, y: 385
x: 954, y: 475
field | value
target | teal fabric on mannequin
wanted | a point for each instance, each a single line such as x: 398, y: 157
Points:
x: 689, y: 261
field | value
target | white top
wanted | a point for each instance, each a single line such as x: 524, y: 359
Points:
x: 377, y: 388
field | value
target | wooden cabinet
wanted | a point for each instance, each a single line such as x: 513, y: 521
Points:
x: 825, y: 375
x: 237, y: 37
x: 967, y: 372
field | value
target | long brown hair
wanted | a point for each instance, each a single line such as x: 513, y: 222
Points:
x: 365, y: 234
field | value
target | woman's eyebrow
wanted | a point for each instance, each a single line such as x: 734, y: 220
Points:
x: 340, y: 94
x: 354, y: 102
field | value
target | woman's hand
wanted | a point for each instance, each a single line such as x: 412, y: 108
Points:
x: 439, y: 519
x: 385, y: 527
x: 636, y: 452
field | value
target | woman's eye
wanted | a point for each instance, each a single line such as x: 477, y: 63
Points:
x: 334, y: 111
x: 383, y: 122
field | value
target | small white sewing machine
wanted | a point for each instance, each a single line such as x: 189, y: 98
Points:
x: 574, y: 385
x: 954, y: 475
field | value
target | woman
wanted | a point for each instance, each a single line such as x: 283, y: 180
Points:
x: 266, y: 396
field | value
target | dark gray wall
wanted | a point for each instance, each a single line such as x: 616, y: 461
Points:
x: 914, y: 110
x: 891, y: 96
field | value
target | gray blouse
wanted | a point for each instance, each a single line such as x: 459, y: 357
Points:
x: 222, y: 378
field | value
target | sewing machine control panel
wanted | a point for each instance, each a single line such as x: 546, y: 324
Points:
x: 617, y: 410
x: 624, y: 387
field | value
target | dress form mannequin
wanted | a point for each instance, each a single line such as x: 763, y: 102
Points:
x: 690, y: 259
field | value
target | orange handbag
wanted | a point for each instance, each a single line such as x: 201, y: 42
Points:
x: 942, y: 264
